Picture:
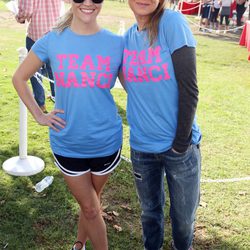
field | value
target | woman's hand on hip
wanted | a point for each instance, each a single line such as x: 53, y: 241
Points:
x: 52, y: 120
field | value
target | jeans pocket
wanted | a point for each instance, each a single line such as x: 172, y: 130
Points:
x: 185, y: 163
x: 172, y: 153
x: 135, y: 155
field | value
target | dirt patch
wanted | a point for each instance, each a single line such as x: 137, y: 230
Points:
x: 232, y: 36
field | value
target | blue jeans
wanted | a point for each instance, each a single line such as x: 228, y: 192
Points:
x: 183, y: 179
x: 38, y: 90
x: 47, y: 71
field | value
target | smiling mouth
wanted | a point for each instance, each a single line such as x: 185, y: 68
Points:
x: 87, y: 11
x: 142, y: 4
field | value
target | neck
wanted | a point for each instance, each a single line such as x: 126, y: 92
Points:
x: 84, y: 28
x: 141, y: 22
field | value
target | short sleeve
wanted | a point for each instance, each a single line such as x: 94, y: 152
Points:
x: 40, y: 48
x: 177, y: 31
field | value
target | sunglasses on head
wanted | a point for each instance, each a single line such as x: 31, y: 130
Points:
x: 81, y: 1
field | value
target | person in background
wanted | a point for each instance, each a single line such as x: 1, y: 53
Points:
x: 159, y: 75
x: 205, y: 15
x: 240, y: 10
x: 225, y: 13
x: 85, y: 128
x: 215, y: 8
x: 41, y: 16
x: 232, y: 15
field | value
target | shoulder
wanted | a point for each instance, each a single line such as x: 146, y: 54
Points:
x: 172, y: 21
x: 171, y: 16
x: 51, y: 34
x: 110, y: 35
x: 111, y: 38
x: 49, y: 38
x: 130, y: 32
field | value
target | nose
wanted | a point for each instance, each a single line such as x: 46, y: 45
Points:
x: 87, y: 2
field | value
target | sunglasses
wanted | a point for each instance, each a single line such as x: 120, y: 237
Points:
x: 81, y: 1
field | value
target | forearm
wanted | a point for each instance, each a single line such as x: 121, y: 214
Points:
x: 26, y: 96
x: 184, y: 62
x: 25, y: 9
x: 24, y: 72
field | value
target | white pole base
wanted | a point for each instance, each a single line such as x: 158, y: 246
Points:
x: 23, y: 167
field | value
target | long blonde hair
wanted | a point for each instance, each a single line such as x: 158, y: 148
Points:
x: 64, y: 21
x: 152, y: 25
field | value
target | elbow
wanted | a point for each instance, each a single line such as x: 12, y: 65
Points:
x: 15, y: 80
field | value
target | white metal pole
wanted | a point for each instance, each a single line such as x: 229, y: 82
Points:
x: 22, y: 116
x: 199, y: 11
x: 181, y: 6
x: 22, y: 130
x: 23, y: 165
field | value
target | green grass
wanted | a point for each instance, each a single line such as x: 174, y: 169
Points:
x: 29, y: 220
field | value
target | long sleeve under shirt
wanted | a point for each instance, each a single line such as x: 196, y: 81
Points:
x: 184, y: 62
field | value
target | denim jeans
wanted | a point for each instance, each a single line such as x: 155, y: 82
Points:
x: 183, y: 178
x: 47, y: 71
x: 38, y: 90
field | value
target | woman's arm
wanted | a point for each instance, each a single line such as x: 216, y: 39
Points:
x: 184, y: 62
x: 25, y: 70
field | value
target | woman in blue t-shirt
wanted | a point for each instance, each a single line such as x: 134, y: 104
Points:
x: 85, y: 128
x: 159, y: 71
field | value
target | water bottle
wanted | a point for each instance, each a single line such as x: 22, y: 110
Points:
x: 45, y: 182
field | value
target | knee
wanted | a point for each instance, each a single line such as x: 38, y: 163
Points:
x: 89, y: 211
x: 183, y: 229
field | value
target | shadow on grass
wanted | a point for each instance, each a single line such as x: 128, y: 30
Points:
x: 5, y: 154
x: 31, y: 220
x: 216, y: 243
x: 228, y: 37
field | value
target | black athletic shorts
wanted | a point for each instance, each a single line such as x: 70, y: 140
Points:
x: 80, y: 166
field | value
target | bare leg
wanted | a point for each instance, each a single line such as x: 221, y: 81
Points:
x: 206, y: 23
x: 91, y: 223
x: 98, y: 183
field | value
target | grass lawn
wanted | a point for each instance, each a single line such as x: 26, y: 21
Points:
x: 29, y: 220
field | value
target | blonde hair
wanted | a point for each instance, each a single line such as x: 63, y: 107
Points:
x: 64, y: 21
x: 152, y: 25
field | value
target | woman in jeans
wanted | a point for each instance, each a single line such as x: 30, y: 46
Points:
x: 159, y: 70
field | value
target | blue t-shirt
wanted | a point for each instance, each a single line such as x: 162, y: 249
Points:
x: 152, y: 107
x: 85, y: 68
